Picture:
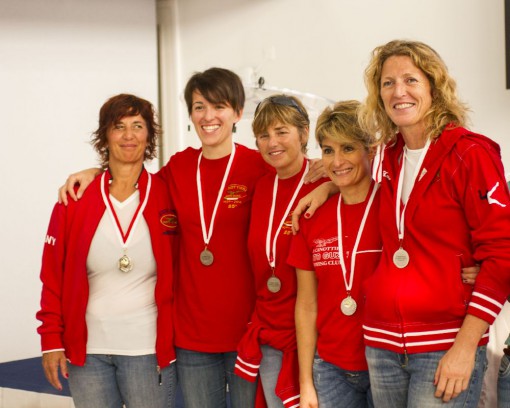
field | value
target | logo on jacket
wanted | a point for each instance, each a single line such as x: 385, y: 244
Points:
x: 50, y: 240
x: 234, y: 195
x: 168, y: 219
x: 488, y: 196
x: 321, y: 242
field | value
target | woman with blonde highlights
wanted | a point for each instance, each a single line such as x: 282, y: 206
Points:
x: 444, y: 206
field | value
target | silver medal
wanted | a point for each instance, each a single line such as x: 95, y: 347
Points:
x: 274, y: 284
x: 348, y: 306
x: 206, y: 257
x: 125, y: 264
x: 401, y: 258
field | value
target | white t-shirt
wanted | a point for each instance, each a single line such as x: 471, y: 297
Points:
x: 121, y: 311
x: 412, y: 158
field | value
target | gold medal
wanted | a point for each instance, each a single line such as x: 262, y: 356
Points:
x: 274, y: 284
x: 401, y: 258
x: 206, y: 257
x: 125, y: 264
x: 348, y: 306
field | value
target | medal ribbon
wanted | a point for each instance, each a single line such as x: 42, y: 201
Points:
x: 348, y: 286
x: 123, y: 238
x: 207, y: 235
x: 271, y: 243
x: 399, y: 216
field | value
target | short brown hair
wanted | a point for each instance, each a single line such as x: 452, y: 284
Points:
x: 291, y: 112
x: 112, y: 111
x: 217, y: 85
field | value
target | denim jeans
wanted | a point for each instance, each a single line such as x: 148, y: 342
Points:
x: 269, y: 371
x: 400, y: 382
x: 504, y: 382
x: 108, y: 381
x: 338, y: 388
x: 204, y: 377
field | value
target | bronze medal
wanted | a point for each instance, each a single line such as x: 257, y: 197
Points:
x: 206, y: 257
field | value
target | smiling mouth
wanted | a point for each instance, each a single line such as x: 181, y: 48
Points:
x: 403, y: 105
x: 342, y: 172
x: 276, y: 153
x: 210, y: 128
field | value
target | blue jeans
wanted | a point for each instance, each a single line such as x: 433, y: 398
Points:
x: 204, y: 378
x: 504, y: 382
x: 338, y: 388
x: 400, y: 382
x: 108, y: 381
x: 269, y: 371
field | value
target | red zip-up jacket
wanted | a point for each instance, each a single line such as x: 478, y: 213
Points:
x: 64, y: 274
x: 457, y: 215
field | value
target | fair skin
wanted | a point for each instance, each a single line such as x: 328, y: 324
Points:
x: 213, y: 123
x: 127, y: 141
x: 406, y: 94
x: 348, y: 166
x: 280, y: 147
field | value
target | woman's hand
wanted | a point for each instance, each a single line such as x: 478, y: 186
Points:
x: 469, y: 274
x: 308, y: 397
x: 52, y: 362
x: 310, y: 202
x: 82, y: 178
x: 315, y: 172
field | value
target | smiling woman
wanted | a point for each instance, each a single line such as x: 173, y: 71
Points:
x: 107, y: 272
x: 430, y: 159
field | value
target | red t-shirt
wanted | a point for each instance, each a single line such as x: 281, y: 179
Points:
x: 275, y: 311
x: 213, y: 303
x: 315, y: 248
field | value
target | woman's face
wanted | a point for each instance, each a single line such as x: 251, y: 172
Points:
x: 347, y: 164
x: 213, y: 122
x: 127, y: 140
x: 406, y: 94
x: 280, y: 146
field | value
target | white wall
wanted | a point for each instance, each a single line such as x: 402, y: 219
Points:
x: 323, y: 46
x: 59, y: 61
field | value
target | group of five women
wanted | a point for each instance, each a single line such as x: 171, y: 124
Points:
x: 365, y: 306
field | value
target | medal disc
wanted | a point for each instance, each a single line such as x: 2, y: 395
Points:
x: 401, y: 258
x: 274, y: 284
x: 348, y: 306
x: 206, y: 257
x: 125, y: 264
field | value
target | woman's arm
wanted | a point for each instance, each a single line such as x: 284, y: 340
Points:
x: 455, y: 368
x: 52, y: 362
x: 82, y: 178
x: 306, y: 332
x: 310, y: 202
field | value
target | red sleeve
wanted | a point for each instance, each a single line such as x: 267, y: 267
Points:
x: 482, y: 188
x: 52, y: 271
x: 300, y: 255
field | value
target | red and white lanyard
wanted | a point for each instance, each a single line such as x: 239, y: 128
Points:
x: 271, y: 241
x: 348, y: 285
x: 208, y: 234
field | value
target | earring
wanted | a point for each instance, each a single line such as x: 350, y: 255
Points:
x: 234, y: 128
